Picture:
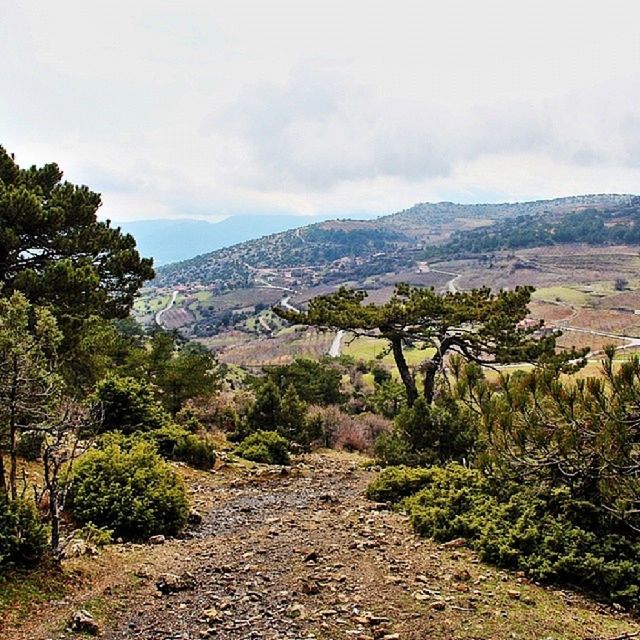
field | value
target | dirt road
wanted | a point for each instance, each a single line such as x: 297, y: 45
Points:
x: 301, y: 554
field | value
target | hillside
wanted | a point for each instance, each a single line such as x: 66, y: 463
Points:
x: 228, y: 292
x: 194, y: 237
x: 358, y: 248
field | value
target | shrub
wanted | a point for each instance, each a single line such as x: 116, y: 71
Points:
x: 23, y: 537
x: 128, y: 405
x: 134, y: 493
x: 395, y: 483
x: 543, y: 532
x: 265, y: 446
x: 424, y: 435
x: 30, y: 445
x: 195, y: 451
x: 391, y: 449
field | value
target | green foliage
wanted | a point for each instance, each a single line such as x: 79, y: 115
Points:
x: 395, y: 483
x: 548, y: 534
x: 191, y: 372
x: 392, y: 449
x: 291, y: 420
x: 266, y: 410
x: 195, y: 451
x: 620, y: 225
x: 265, y: 446
x: 29, y: 385
x: 98, y: 536
x: 428, y: 434
x: 23, y: 537
x: 134, y: 493
x: 480, y: 324
x: 53, y: 249
x: 30, y: 445
x: 314, y: 382
x: 128, y: 405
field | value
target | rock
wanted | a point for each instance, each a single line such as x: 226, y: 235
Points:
x: 297, y: 610
x: 310, y: 587
x: 171, y: 583
x: 514, y: 595
x: 212, y: 615
x: 312, y: 556
x: 159, y: 539
x: 456, y: 543
x: 439, y: 605
x: 82, y: 622
x: 79, y: 547
x: 194, y: 518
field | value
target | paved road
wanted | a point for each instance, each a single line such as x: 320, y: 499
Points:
x: 336, y: 345
x: 171, y: 303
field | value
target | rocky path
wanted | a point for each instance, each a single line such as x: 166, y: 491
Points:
x: 301, y: 554
x: 304, y: 555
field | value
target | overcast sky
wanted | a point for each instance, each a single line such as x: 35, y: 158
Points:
x: 209, y: 108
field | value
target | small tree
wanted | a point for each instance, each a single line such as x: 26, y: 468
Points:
x: 29, y: 385
x: 292, y: 414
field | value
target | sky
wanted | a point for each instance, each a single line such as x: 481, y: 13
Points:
x: 206, y: 109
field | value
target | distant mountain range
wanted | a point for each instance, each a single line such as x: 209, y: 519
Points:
x: 354, y: 250
x: 169, y: 241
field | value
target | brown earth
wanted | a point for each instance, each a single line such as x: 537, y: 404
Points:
x: 305, y: 555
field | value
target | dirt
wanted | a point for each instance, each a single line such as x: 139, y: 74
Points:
x: 302, y: 554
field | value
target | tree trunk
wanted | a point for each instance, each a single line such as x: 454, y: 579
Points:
x: 430, y: 368
x: 403, y: 369
x: 13, y: 432
x: 4, y: 493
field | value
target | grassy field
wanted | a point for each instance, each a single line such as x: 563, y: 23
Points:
x: 371, y: 348
x: 567, y: 295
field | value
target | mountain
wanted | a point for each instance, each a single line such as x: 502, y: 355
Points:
x: 355, y: 249
x: 169, y: 241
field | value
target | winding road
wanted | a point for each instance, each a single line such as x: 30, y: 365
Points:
x: 161, y: 312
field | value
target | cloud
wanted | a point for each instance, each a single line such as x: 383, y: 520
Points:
x: 325, y: 107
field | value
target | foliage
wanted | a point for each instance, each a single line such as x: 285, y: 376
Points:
x: 54, y: 250
x: 191, y: 372
x: 134, y: 493
x: 23, y: 538
x: 480, y: 325
x: 619, y: 225
x: 29, y: 339
x: 195, y: 451
x: 392, y: 449
x: 266, y: 410
x: 265, y: 446
x: 291, y: 419
x: 546, y: 533
x: 30, y: 445
x: 314, y: 382
x: 580, y: 435
x: 128, y: 405
x: 395, y: 483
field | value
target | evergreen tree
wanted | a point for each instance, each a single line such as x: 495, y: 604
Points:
x: 480, y: 325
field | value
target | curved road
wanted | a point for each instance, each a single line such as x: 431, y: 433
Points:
x: 158, y: 317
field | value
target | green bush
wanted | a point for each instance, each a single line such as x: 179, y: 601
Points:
x: 30, y: 445
x: 23, y: 537
x: 128, y: 405
x: 265, y: 446
x: 543, y: 532
x: 395, y: 483
x: 391, y: 449
x: 134, y: 493
x: 195, y: 451
x: 174, y: 442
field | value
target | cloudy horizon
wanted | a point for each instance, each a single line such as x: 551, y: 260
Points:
x: 211, y: 109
